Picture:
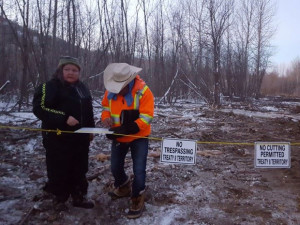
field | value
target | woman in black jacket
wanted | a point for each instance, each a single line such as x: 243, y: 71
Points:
x: 65, y: 103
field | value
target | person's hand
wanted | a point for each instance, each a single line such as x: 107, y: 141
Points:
x: 117, y: 132
x: 111, y: 136
x: 71, y: 121
x: 108, y: 122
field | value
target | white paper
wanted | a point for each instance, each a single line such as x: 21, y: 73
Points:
x: 93, y: 130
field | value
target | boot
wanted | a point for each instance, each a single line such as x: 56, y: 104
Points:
x: 82, y: 202
x: 137, y: 206
x: 122, y: 191
x: 59, y: 204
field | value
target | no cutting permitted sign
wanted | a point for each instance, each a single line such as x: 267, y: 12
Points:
x: 178, y: 151
x: 272, y: 155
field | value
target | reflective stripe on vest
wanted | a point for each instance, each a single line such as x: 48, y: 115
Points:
x: 115, y: 117
x: 43, y: 102
x: 105, y: 108
x: 138, y: 96
x: 146, y: 118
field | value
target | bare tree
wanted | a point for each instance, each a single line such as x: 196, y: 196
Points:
x: 264, y: 30
x: 193, y: 39
x: 24, y: 11
x: 219, y: 12
x: 4, y: 51
x: 158, y: 38
x: 41, y: 52
x: 244, y: 39
x: 54, y: 32
x: 197, y: 25
x: 72, y: 26
x: 228, y: 86
x: 124, y: 12
x: 176, y: 23
x: 146, y: 13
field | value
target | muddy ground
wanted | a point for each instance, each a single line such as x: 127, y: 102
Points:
x: 222, y: 188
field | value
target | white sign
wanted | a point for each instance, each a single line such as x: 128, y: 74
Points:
x: 272, y: 155
x: 178, y: 151
x: 93, y: 130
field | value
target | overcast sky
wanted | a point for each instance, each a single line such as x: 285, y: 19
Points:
x: 287, y: 38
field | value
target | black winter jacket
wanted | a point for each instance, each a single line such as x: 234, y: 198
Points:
x: 54, y: 101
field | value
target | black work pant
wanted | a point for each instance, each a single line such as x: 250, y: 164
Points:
x: 67, y: 165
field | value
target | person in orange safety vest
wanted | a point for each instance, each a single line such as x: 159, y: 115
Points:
x: 128, y: 108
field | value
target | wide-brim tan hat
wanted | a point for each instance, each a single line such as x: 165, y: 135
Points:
x: 118, y: 75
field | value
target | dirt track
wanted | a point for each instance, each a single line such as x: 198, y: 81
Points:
x: 222, y: 188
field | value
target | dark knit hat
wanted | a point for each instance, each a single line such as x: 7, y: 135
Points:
x: 63, y: 60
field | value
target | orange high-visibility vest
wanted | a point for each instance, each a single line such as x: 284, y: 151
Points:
x: 143, y: 101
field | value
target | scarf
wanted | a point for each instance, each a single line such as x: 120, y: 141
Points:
x: 128, y: 97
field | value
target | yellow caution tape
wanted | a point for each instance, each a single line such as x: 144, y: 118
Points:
x: 59, y: 132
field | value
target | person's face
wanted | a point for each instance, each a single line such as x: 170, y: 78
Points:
x: 124, y: 91
x: 70, y: 73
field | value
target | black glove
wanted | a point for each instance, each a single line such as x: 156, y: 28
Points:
x: 111, y: 136
x: 131, y: 128
x: 117, y: 130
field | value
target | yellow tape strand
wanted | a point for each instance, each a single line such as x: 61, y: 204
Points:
x: 59, y: 132
x: 224, y: 143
